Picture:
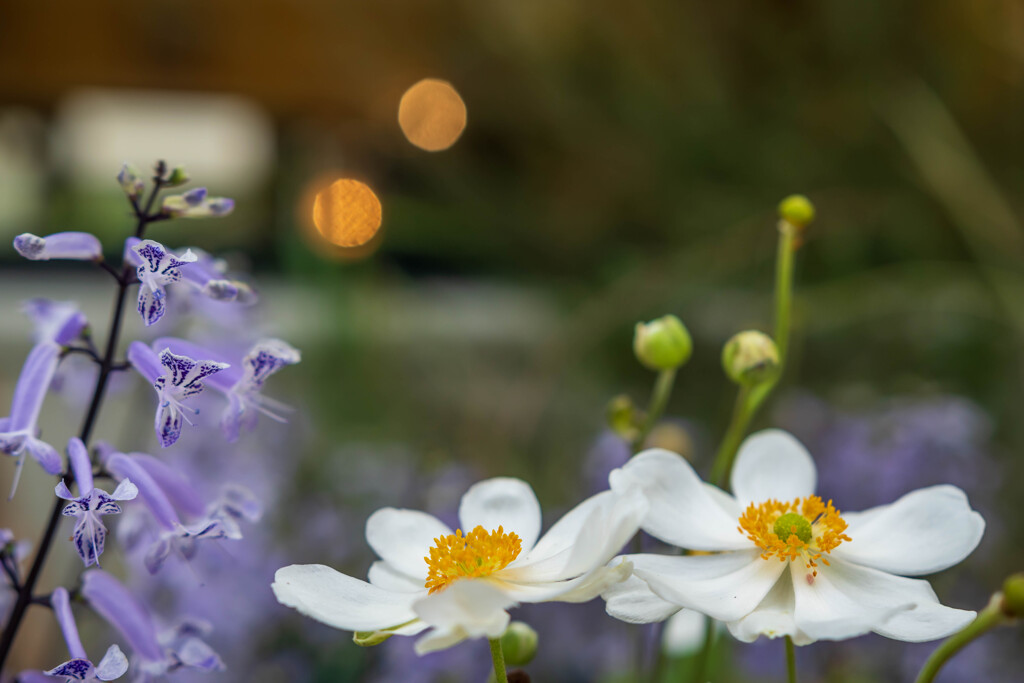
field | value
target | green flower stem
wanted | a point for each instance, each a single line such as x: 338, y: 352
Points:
x: 700, y: 663
x: 659, y: 399
x: 987, y: 619
x: 790, y: 660
x: 749, y: 399
x: 500, y: 676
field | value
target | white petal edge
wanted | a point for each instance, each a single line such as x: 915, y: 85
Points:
x: 465, y: 609
x: 505, y: 502
x: 773, y: 617
x: 772, y: 464
x: 581, y: 589
x: 682, y: 511
x: 341, y: 601
x: 403, y: 538
x: 726, y: 587
x: 923, y: 532
x: 633, y: 602
x: 383, y: 575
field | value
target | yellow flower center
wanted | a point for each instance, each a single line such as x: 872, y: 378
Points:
x: 806, y: 528
x: 477, y: 554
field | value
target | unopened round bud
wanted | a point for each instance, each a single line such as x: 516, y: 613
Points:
x: 797, y: 209
x: 178, y: 177
x: 750, y: 358
x: 662, y: 344
x: 1013, y: 595
x: 370, y: 638
x: 519, y: 644
x: 622, y: 416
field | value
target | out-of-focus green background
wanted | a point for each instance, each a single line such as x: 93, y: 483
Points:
x: 621, y: 161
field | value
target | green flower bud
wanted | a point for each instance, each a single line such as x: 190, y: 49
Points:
x: 623, y: 417
x: 370, y: 638
x: 750, y: 358
x: 662, y: 344
x: 178, y: 177
x: 797, y: 209
x: 1013, y: 595
x: 519, y: 644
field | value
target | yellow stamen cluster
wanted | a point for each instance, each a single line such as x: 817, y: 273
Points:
x: 479, y: 553
x: 827, y: 530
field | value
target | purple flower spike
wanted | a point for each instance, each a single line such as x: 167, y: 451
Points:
x: 113, y: 665
x: 55, y: 321
x: 74, y: 246
x: 157, y: 267
x: 179, y: 378
x: 18, y: 433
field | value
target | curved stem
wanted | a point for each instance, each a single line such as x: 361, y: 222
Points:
x: 987, y: 619
x: 659, y: 399
x: 89, y: 423
x: 498, y: 657
x: 790, y: 660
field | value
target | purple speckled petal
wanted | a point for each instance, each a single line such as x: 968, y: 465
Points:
x: 124, y: 612
x: 78, y: 456
x: 103, y: 504
x: 61, y: 603
x: 76, y: 246
x: 75, y: 670
x: 124, y: 467
x: 187, y: 373
x: 145, y: 361
x: 152, y: 303
x: 168, y: 425
x: 222, y: 380
x: 267, y: 357
x: 89, y: 537
x: 36, y: 376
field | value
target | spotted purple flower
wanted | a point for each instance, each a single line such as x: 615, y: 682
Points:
x: 18, y: 432
x: 90, y: 534
x: 175, y: 378
x: 157, y: 267
x: 74, y: 246
x: 113, y: 665
x: 243, y: 384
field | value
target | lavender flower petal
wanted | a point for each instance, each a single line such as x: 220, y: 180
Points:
x: 61, y: 603
x: 76, y: 246
x: 78, y: 456
x: 124, y: 467
x: 145, y: 361
x: 113, y: 665
x: 124, y: 612
x: 55, y: 321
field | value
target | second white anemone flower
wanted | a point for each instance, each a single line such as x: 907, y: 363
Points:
x: 460, y: 584
x: 777, y: 560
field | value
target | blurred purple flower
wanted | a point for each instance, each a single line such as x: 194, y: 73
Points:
x: 18, y: 432
x: 75, y: 246
x: 113, y: 665
x: 60, y: 322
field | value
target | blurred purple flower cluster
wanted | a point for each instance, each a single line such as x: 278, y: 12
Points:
x: 169, y: 597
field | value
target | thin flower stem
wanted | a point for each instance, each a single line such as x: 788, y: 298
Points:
x: 25, y: 597
x: 498, y: 657
x: 659, y: 399
x: 790, y: 660
x: 700, y: 664
x: 990, y: 617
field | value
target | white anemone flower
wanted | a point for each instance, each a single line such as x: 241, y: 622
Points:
x: 773, y: 559
x: 459, y: 585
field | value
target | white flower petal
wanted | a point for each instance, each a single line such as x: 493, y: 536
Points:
x: 725, y: 586
x: 772, y: 464
x: 467, y: 608
x: 682, y: 511
x: 383, y: 575
x: 586, y: 537
x: 845, y: 600
x: 634, y: 602
x: 505, y: 502
x: 923, y: 532
x: 341, y: 601
x: 926, y: 621
x: 581, y: 589
x: 403, y: 538
x: 730, y: 505
x: 773, y: 617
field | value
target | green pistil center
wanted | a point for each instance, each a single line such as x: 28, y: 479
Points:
x: 792, y: 523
